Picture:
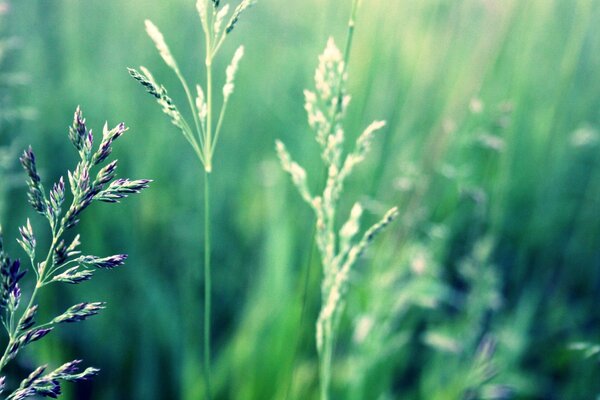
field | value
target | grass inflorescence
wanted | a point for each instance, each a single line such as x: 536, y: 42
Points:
x: 217, y: 22
x: 62, y: 261
x: 340, y: 250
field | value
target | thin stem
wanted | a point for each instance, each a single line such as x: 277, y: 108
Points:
x: 12, y: 335
x: 326, y: 359
x: 218, y: 129
x: 57, y: 268
x: 209, y: 95
x: 208, y: 168
x: 190, y: 100
x: 207, y: 283
x: 209, y: 102
x: 349, y: 38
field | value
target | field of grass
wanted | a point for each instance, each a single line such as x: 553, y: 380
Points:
x: 491, y: 152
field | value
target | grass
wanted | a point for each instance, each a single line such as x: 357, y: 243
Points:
x: 417, y: 65
x: 217, y: 23
x: 326, y: 108
x: 63, y: 263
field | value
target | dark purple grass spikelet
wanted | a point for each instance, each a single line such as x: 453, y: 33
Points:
x: 38, y: 384
x: 108, y: 137
x: 121, y: 188
x: 105, y: 263
x: 78, y: 131
x: 28, y: 318
x: 74, y: 276
x: 106, y: 174
x: 11, y: 274
x: 57, y: 197
x: 79, y: 312
x: 27, y: 240
x: 36, y: 190
x: 34, y: 335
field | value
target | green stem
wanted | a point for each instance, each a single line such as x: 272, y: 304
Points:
x: 326, y: 356
x: 191, y: 104
x: 207, y: 284
x: 209, y: 102
x: 219, y: 123
x: 39, y: 283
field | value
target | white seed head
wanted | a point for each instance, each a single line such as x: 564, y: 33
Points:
x: 219, y: 19
x: 148, y: 75
x: 201, y: 104
x: 316, y: 117
x: 297, y: 173
x: 363, y: 143
x: 327, y: 75
x: 351, y: 227
x: 161, y: 46
x: 231, y: 71
x: 201, y: 7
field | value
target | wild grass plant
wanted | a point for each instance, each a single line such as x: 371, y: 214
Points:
x: 63, y: 261
x: 530, y: 186
x: 339, y: 250
x: 218, y: 21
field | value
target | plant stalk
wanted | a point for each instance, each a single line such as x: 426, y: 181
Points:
x: 207, y: 284
x: 330, y: 326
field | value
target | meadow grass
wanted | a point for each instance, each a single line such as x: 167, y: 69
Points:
x: 533, y: 195
x: 63, y: 262
x: 217, y: 23
x: 326, y: 107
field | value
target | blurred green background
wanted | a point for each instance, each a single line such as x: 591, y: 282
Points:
x: 492, y: 153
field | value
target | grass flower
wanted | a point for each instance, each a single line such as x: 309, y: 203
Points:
x: 62, y: 262
x: 203, y: 134
x: 340, y: 250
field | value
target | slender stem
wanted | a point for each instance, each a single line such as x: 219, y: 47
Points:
x: 351, y: 24
x: 209, y: 95
x: 12, y: 335
x: 209, y: 102
x: 207, y: 169
x: 218, y: 129
x: 190, y: 100
x: 207, y: 283
x: 326, y: 358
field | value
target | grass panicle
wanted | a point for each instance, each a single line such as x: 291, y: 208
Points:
x: 61, y: 262
x: 340, y: 250
x: 203, y: 134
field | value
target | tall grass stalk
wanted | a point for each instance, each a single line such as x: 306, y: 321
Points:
x: 326, y: 108
x: 217, y: 23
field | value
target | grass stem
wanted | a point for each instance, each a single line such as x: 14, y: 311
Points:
x: 207, y: 284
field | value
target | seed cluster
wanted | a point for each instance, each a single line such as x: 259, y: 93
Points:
x: 62, y: 263
x: 326, y: 107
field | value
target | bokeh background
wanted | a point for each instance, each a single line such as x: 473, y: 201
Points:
x: 491, y: 152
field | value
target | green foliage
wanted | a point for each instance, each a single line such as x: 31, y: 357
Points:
x: 491, y: 138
